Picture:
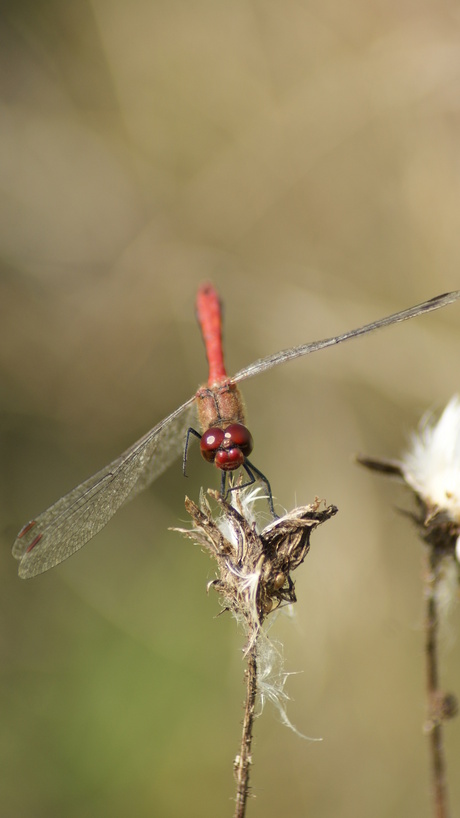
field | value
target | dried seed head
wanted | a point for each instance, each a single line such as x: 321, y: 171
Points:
x: 254, y: 567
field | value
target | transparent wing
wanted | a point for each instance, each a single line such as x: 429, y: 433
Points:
x: 305, y: 349
x: 68, y: 524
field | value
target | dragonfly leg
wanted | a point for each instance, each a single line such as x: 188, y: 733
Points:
x: 251, y: 470
x: 223, y: 480
x: 264, y: 479
x: 190, y: 431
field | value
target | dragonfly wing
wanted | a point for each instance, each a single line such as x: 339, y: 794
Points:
x: 169, y: 445
x: 305, y: 349
x: 68, y: 524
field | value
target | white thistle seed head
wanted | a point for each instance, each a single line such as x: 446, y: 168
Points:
x: 432, y: 466
x: 431, y: 469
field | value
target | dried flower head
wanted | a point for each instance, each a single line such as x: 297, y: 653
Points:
x: 255, y: 566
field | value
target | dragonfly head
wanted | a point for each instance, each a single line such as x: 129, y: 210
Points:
x: 227, y: 448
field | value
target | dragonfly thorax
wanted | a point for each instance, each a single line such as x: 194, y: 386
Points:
x: 219, y: 405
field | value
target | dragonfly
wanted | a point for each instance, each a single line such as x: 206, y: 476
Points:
x: 225, y: 441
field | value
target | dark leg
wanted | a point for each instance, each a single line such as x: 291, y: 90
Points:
x: 250, y: 469
x: 223, y: 480
x: 251, y: 480
x: 187, y: 441
x: 264, y: 479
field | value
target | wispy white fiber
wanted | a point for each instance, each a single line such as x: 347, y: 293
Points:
x: 272, y: 678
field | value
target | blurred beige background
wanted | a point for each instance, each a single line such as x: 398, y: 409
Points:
x: 305, y: 156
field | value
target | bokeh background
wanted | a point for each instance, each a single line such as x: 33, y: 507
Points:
x: 305, y: 156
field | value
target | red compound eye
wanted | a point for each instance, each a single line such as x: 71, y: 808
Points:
x: 210, y: 442
x: 239, y: 436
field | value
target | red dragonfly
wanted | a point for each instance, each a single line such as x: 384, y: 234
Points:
x: 225, y: 441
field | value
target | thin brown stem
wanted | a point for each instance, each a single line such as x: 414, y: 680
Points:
x: 434, y: 694
x: 243, y: 760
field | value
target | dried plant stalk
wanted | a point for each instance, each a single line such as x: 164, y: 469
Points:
x: 435, y: 697
x: 439, y: 533
x: 243, y: 760
x: 254, y: 579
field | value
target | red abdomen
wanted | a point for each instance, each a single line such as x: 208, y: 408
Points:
x: 209, y: 315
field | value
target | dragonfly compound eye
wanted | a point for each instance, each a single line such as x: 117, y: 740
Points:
x: 239, y: 436
x: 210, y: 443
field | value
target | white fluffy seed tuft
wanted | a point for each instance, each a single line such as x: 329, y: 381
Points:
x: 432, y: 465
